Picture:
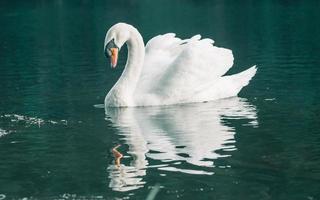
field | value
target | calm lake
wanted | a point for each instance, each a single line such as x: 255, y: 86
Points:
x: 56, y: 139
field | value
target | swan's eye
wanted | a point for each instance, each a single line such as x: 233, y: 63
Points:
x: 108, y: 48
x: 109, y: 52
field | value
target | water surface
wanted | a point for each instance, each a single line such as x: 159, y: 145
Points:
x: 56, y: 141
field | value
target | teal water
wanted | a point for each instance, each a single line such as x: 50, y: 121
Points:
x: 56, y: 141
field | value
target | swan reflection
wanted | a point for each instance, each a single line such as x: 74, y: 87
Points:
x: 196, y: 134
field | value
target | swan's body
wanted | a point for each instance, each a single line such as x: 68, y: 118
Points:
x: 170, y: 70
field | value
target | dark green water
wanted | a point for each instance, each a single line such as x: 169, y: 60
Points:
x: 55, y: 144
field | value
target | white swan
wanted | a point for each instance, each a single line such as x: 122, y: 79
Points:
x: 170, y: 70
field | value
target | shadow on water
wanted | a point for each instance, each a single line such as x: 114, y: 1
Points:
x: 184, y: 138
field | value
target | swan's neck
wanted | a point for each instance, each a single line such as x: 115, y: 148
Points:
x: 122, y: 92
x: 132, y: 71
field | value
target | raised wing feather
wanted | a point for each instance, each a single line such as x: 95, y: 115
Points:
x: 159, y: 54
x: 177, y: 69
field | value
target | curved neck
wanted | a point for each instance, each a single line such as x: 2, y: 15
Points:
x: 135, y: 60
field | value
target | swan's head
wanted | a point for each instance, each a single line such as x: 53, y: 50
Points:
x: 115, y: 38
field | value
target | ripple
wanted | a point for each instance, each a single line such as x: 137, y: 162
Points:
x: 30, y: 121
x: 3, y: 133
x: 186, y: 139
x: 270, y: 99
x: 186, y: 171
x: 126, y: 178
x: 16, y: 123
x: 98, y: 105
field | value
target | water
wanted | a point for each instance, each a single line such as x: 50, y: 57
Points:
x: 56, y: 141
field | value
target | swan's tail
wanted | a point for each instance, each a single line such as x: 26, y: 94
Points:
x: 243, y: 78
x: 229, y: 86
x: 236, y: 82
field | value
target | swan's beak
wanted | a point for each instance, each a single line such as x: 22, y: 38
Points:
x: 111, y: 50
x: 114, y: 57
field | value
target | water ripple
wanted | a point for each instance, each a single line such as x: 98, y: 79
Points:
x: 185, y: 138
x: 4, y: 132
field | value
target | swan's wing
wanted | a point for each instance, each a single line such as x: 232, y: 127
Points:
x: 178, y: 69
x: 160, y: 52
x: 171, y: 61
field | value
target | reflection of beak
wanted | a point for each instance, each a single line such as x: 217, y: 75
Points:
x: 114, y: 57
x: 117, y: 155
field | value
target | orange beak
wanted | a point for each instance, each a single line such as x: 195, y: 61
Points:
x: 114, y: 57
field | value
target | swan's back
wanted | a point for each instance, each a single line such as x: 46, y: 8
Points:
x: 181, y: 71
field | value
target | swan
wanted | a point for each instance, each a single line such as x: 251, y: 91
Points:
x: 169, y: 70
